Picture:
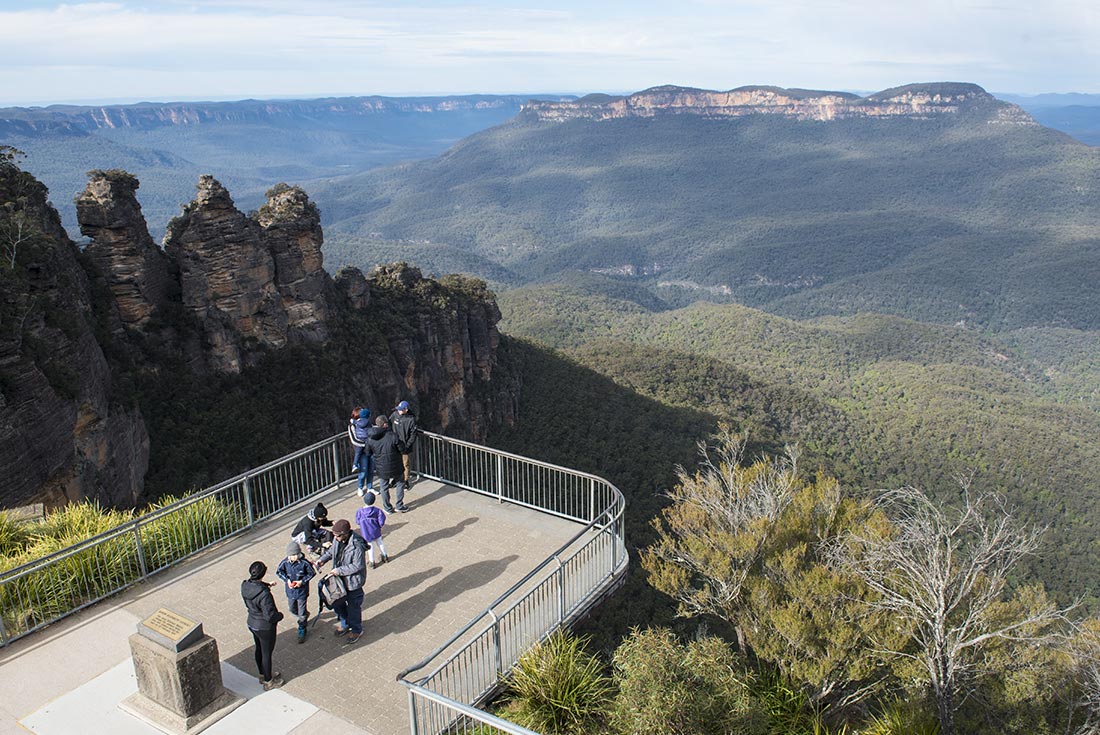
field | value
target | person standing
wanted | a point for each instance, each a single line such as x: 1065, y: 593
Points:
x: 403, y: 423
x: 348, y: 555
x: 263, y: 617
x: 358, y: 426
x: 371, y: 520
x: 387, y: 463
x: 296, y: 572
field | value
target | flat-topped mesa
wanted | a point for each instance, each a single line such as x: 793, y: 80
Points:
x: 912, y: 101
x: 227, y: 276
x: 136, y: 270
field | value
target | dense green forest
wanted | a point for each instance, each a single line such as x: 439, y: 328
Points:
x: 947, y: 219
x: 876, y: 401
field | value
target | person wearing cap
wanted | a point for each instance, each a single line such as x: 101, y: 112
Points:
x: 296, y: 572
x: 311, y: 533
x: 403, y: 424
x: 263, y: 616
x: 387, y: 463
x: 349, y: 560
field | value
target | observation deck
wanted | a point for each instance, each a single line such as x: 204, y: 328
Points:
x: 497, y: 552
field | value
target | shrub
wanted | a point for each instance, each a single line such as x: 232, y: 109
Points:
x: 668, y: 688
x: 557, y: 687
x: 902, y: 718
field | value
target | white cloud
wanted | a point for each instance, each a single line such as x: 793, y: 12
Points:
x: 287, y: 47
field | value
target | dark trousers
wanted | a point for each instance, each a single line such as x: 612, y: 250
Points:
x: 299, y: 607
x: 398, y: 488
x: 265, y: 644
x: 349, y: 611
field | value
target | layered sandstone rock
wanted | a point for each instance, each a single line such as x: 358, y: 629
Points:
x: 914, y: 101
x: 227, y: 277
x: 62, y: 435
x: 136, y: 270
x: 292, y: 232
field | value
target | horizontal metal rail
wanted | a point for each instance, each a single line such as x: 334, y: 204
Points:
x: 44, y: 590
x: 468, y: 668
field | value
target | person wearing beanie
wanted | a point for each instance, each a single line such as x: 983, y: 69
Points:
x: 263, y: 617
x: 403, y: 424
x: 363, y: 463
x: 296, y: 572
x: 348, y: 554
x: 371, y: 520
x: 312, y: 534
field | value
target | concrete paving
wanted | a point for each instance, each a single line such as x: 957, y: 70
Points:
x: 449, y: 558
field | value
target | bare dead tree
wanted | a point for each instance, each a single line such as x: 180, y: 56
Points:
x: 1085, y: 650
x: 14, y: 231
x: 943, y: 573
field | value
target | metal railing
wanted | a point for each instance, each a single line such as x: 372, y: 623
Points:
x: 467, y: 669
x: 464, y: 671
x: 52, y: 587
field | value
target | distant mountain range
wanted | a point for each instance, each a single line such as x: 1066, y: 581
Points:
x: 934, y: 202
x: 249, y: 145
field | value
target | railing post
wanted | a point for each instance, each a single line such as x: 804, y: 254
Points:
x: 3, y: 631
x: 591, y: 500
x: 413, y: 729
x: 500, y: 478
x: 248, y: 501
x: 140, y: 550
x: 335, y: 464
x: 496, y: 645
x: 561, y: 592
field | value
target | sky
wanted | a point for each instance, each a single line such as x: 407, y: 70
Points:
x: 117, y: 52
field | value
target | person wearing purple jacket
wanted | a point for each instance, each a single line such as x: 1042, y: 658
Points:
x: 371, y: 520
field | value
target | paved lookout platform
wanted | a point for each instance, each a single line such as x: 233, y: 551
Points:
x: 449, y: 558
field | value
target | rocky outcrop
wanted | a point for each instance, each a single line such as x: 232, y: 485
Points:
x: 292, y: 232
x: 913, y: 101
x: 227, y: 277
x: 243, y: 301
x: 136, y: 270
x: 62, y: 434
x: 445, y: 361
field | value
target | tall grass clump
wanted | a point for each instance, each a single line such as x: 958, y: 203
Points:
x: 557, y: 688
x: 50, y: 588
x: 789, y: 708
x: 171, y: 537
x: 901, y: 718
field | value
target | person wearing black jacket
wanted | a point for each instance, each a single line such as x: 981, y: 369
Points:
x: 263, y: 616
x: 383, y: 446
x: 403, y: 423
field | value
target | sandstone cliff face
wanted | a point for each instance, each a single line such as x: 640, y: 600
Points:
x: 134, y: 267
x: 62, y: 436
x: 227, y: 277
x: 232, y: 292
x: 915, y: 101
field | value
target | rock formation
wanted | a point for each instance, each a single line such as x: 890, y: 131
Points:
x: 134, y: 267
x: 914, y: 100
x: 62, y: 434
x: 227, y: 277
x: 232, y: 293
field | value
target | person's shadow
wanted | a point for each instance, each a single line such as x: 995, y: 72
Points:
x: 432, y: 536
x: 407, y: 614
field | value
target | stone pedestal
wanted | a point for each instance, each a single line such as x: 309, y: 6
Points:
x: 179, y: 692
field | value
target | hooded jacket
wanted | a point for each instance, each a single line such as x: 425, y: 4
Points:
x: 387, y: 459
x: 370, y: 520
x: 262, y: 613
x: 349, y: 560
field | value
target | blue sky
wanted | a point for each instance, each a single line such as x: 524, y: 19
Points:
x: 231, y: 49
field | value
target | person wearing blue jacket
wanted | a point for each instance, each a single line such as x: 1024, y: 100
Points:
x: 296, y: 572
x: 363, y: 462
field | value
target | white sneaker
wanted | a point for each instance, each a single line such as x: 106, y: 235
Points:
x: 359, y: 492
